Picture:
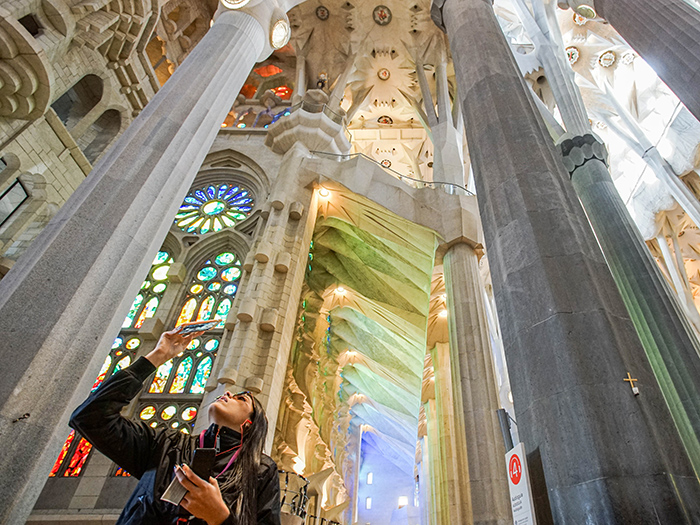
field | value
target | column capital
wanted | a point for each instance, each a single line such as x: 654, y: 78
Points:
x: 585, y: 8
x: 576, y: 150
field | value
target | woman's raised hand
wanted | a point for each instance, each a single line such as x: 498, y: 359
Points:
x: 169, y: 345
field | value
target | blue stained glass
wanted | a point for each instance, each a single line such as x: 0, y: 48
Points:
x: 117, y: 342
x: 201, y: 195
x: 192, y: 200
x: 230, y: 289
x: 225, y: 258
x: 245, y: 208
x: 161, y: 257
x: 230, y: 193
x: 195, y: 224
x: 211, y: 345
x: 201, y: 376
x: 188, y: 208
x: 222, y: 190
x: 211, y: 191
x: 205, y: 227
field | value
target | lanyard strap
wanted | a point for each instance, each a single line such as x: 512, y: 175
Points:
x: 230, y: 461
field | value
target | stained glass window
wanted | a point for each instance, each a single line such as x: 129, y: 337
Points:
x: 183, y: 374
x: 214, y: 208
x: 78, y: 450
x: 174, y: 415
x: 151, y: 293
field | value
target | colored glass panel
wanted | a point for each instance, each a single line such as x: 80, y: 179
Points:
x: 161, y: 273
x: 231, y: 274
x: 103, y: 372
x: 194, y: 344
x: 222, y: 311
x: 161, y: 378
x: 185, y: 430
x: 75, y: 466
x: 62, y: 455
x: 121, y: 473
x: 117, y: 342
x: 213, y: 207
x: 175, y: 424
x: 201, y: 376
x: 132, y: 313
x: 183, y: 374
x: 206, y: 309
x: 187, y: 312
x: 225, y: 258
x: 207, y: 273
x: 121, y: 365
x: 168, y: 412
x: 159, y: 288
x: 230, y: 289
x: 148, y: 311
x: 133, y: 343
x: 189, y: 414
x: 146, y: 285
x: 211, y: 345
x: 161, y: 258
x: 147, y: 413
x: 196, y: 288
x: 214, y: 287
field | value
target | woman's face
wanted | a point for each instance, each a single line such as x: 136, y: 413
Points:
x: 232, y: 410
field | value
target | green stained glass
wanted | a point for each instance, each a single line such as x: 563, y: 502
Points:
x: 222, y: 311
x: 148, y: 311
x: 213, y: 207
x: 211, y: 345
x: 183, y: 374
x: 227, y: 221
x: 204, y: 228
x: 146, y: 285
x: 121, y: 365
x: 175, y: 424
x: 201, y: 376
x: 117, y: 342
x: 196, y: 288
x: 161, y: 378
x: 225, y: 258
x: 185, y: 430
x: 230, y: 289
x: 103, y: 372
x: 160, y: 288
x: 147, y: 413
x: 205, y: 310
x: 134, y: 308
x: 168, y: 412
x: 161, y: 257
x: 231, y: 274
x: 218, y: 225
x: 161, y: 273
x: 214, y: 287
x: 207, y: 273
x: 196, y: 224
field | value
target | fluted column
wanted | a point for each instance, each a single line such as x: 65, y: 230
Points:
x: 63, y: 302
x: 667, y: 337
x: 665, y: 33
x: 598, y: 453
x: 472, y: 365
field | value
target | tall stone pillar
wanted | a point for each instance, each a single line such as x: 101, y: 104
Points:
x: 598, y: 453
x: 665, y: 332
x: 666, y: 33
x: 472, y: 370
x: 63, y: 302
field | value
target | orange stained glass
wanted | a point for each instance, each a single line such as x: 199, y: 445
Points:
x: 268, y: 70
x: 121, y: 473
x: 121, y: 365
x: 206, y: 309
x: 248, y: 91
x: 283, y: 92
x: 62, y: 455
x: 162, y: 374
x: 183, y: 374
x: 78, y: 460
x: 148, y: 311
x: 187, y: 312
x: 103, y: 372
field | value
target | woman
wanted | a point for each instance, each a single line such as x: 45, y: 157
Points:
x: 244, y: 487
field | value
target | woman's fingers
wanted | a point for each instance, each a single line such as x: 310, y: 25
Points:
x: 185, y: 480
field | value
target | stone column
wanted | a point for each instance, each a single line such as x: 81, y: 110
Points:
x: 598, y: 454
x: 666, y: 334
x: 472, y: 365
x: 666, y: 33
x: 64, y: 300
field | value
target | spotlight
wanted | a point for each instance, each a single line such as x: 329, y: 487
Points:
x: 443, y: 313
x: 323, y: 192
x: 234, y: 4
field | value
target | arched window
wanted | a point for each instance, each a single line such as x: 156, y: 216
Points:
x: 77, y: 102
x: 100, y: 134
x: 76, y: 450
x: 213, y: 208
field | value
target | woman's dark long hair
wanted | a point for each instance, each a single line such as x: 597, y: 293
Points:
x: 243, y: 479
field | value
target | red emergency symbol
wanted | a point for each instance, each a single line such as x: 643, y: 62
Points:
x: 515, y: 469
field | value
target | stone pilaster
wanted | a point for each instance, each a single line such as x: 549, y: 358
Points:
x: 668, y: 339
x: 477, y: 400
x: 63, y: 302
x: 598, y: 453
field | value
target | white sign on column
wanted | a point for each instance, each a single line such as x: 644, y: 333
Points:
x: 519, y: 484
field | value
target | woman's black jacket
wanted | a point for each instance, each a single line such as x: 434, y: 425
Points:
x: 150, y: 454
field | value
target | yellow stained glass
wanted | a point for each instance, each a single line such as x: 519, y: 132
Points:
x: 147, y: 413
x: 161, y: 378
x: 103, y: 372
x: 183, y: 374
x: 187, y: 312
x: 206, y: 309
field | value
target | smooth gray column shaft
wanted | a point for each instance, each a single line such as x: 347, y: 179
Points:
x: 470, y: 356
x: 665, y: 33
x: 597, y: 453
x: 63, y: 302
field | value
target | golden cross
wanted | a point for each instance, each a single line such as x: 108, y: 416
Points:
x: 631, y: 381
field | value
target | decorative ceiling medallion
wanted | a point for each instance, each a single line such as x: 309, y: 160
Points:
x: 322, y: 12
x: 580, y: 20
x: 385, y: 119
x: 386, y: 163
x: 382, y: 15
x: 573, y: 54
x: 279, y: 36
x: 383, y: 74
x: 234, y: 4
x: 628, y: 58
x: 607, y: 59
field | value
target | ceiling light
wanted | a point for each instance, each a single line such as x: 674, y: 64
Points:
x: 340, y: 290
x: 323, y: 192
x: 234, y: 4
x: 442, y: 313
x: 280, y: 33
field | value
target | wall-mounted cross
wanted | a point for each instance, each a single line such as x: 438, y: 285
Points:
x: 631, y: 381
